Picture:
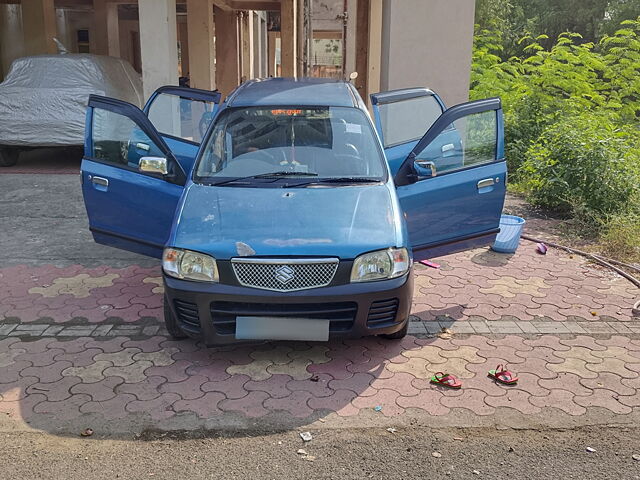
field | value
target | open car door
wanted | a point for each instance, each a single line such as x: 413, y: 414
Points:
x: 128, y: 208
x: 451, y: 181
x: 182, y: 116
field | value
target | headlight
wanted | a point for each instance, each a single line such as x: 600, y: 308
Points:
x: 189, y: 265
x: 380, y: 265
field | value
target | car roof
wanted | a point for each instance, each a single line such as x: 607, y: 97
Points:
x: 293, y: 92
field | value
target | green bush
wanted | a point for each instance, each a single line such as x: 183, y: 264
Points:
x: 572, y: 130
x: 583, y: 165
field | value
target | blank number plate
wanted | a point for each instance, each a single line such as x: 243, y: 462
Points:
x: 279, y: 328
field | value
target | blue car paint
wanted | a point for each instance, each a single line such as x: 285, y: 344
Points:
x: 338, y: 222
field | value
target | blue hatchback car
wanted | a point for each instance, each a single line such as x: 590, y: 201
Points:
x: 286, y: 212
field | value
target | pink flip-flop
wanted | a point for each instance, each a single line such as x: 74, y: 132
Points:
x: 502, y: 375
x: 446, y: 380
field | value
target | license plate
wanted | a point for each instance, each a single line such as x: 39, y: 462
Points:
x: 282, y: 328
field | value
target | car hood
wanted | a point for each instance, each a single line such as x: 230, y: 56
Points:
x: 342, y: 221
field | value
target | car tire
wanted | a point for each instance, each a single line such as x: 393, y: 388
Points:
x: 171, y: 323
x: 9, y: 157
x: 399, y: 334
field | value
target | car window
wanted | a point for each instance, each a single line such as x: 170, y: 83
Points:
x: 322, y: 141
x: 181, y: 117
x: 407, y: 120
x: 472, y: 140
x: 116, y: 139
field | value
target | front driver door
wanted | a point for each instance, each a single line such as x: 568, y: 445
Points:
x: 127, y: 208
x: 182, y: 116
x: 451, y: 184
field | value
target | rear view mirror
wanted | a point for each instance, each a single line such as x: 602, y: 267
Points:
x: 153, y: 165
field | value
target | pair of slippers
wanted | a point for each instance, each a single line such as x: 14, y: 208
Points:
x: 500, y: 375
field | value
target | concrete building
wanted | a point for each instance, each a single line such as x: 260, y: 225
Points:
x: 220, y: 43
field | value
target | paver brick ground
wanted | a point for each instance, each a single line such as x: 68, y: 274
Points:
x: 83, y: 343
x: 77, y: 343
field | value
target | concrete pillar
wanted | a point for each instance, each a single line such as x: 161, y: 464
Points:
x: 158, y: 44
x: 256, y: 45
x: 248, y: 50
x: 227, y: 65
x: 106, y: 28
x: 288, y: 37
x: 39, y: 26
x: 183, y: 40
x: 362, y: 48
x: 11, y: 37
x: 200, y: 28
x: 352, y: 28
x: 415, y: 26
x: 271, y: 54
x: 375, y: 47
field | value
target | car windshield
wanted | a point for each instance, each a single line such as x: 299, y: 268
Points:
x: 255, y: 143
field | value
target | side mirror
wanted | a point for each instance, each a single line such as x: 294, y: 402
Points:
x: 153, y: 165
x: 425, y: 168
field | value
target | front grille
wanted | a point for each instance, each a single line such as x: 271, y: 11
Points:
x: 382, y: 313
x: 341, y: 315
x: 284, y: 275
x: 187, y: 314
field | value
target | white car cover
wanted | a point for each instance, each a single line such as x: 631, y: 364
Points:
x: 43, y: 99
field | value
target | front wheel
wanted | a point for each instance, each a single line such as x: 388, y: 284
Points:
x: 171, y: 323
x: 399, y: 334
x: 9, y: 156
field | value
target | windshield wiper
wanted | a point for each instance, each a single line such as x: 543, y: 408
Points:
x: 268, y: 175
x: 343, y: 180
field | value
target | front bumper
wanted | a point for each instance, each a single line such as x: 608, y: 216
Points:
x: 208, y: 311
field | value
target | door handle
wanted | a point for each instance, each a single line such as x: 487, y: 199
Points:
x: 447, y: 147
x: 487, y: 182
x: 100, y: 181
x: 142, y: 146
x: 427, y: 164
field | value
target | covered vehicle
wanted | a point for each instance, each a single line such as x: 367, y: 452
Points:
x: 43, y: 99
x: 296, y: 218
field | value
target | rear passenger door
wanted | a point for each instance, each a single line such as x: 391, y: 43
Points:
x: 451, y: 180
x: 182, y: 116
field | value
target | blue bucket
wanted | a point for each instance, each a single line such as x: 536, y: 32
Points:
x: 508, y: 239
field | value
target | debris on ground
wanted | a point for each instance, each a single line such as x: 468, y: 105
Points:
x: 541, y: 248
x: 306, y: 436
x: 391, y: 430
x: 445, y: 333
x: 476, y: 472
x: 378, y: 408
x: 302, y: 451
x: 591, y: 450
x: 430, y: 264
x: 314, y: 378
x: 636, y: 457
x: 436, y: 454
x: 87, y: 432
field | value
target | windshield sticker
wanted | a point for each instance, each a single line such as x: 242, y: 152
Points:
x: 353, y: 128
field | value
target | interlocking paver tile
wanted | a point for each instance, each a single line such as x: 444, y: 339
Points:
x: 205, y: 406
x: 561, y: 399
x: 66, y: 409
x: 275, y: 386
x: 427, y: 400
x: 357, y: 383
x: 295, y: 404
x: 605, y: 399
x: 609, y: 381
x: 317, y: 386
x: 470, y: 399
x: 133, y: 373
x: 158, y: 409
x: 51, y: 373
x: 581, y: 353
x: 232, y: 387
x: 256, y: 370
x: 250, y: 405
x: 565, y: 381
x: 189, y: 389
x: 147, y: 389
x: 612, y: 365
x: 99, y: 391
x: 15, y: 391
x: 91, y: 373
x: 382, y: 398
x: 56, y: 391
x: 516, y: 399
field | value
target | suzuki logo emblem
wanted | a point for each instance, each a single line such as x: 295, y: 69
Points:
x: 284, y: 274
